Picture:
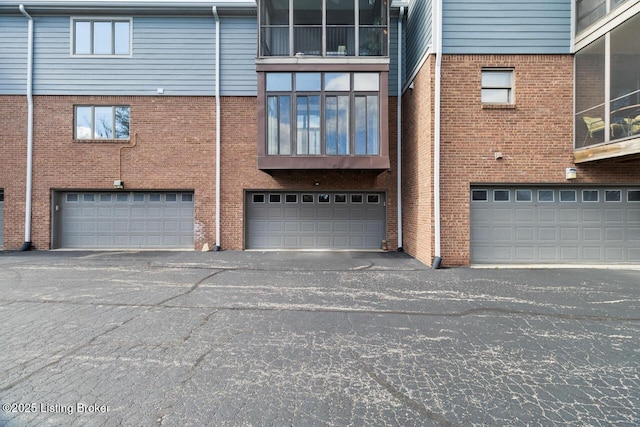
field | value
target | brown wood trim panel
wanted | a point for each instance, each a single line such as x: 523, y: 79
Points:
x: 292, y: 68
x: 609, y: 151
x: 323, y: 162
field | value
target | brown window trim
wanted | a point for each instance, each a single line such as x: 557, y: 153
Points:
x: 352, y: 161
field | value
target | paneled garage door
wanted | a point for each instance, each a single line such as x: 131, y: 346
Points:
x: 1, y: 219
x: 125, y: 220
x: 308, y: 220
x: 555, y: 225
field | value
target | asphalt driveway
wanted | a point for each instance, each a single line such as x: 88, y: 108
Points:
x: 300, y: 339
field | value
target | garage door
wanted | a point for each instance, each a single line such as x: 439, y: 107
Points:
x: 125, y: 220
x: 555, y: 225
x: 1, y: 219
x: 307, y: 220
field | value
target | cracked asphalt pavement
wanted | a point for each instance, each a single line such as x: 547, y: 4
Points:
x: 304, y: 339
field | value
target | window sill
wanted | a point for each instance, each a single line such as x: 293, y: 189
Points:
x: 323, y: 162
x: 498, y: 106
x: 102, y: 141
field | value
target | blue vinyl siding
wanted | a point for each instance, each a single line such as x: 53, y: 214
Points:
x: 173, y: 53
x: 418, y: 28
x: 393, y: 56
x: 13, y: 55
x: 506, y: 27
x: 238, y: 49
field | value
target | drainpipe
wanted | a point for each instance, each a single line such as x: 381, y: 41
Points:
x: 437, y: 13
x: 399, y: 128
x: 217, y: 19
x: 27, y: 211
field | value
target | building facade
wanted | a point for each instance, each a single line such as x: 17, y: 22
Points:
x: 516, y: 108
x: 460, y: 132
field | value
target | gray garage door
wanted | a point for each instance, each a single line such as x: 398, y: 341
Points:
x: 1, y: 219
x: 125, y: 220
x: 555, y: 225
x: 308, y: 220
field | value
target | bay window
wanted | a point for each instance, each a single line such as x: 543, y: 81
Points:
x: 330, y: 114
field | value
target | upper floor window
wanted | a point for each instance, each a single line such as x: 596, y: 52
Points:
x: 497, y: 86
x: 607, y: 87
x: 330, y: 113
x: 102, y: 122
x: 590, y: 11
x: 107, y: 37
x: 323, y: 27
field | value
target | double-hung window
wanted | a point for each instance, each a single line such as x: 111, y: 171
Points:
x: 104, y: 37
x: 497, y: 86
x: 102, y: 122
x: 329, y: 113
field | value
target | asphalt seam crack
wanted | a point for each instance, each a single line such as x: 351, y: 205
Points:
x: 402, y: 397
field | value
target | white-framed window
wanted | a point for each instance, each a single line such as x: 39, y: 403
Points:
x: 590, y: 196
x: 497, y: 86
x: 101, y: 36
x: 102, y: 122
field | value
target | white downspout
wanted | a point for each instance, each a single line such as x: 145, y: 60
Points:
x: 27, y: 211
x: 436, y: 133
x: 217, y: 18
x: 399, y: 129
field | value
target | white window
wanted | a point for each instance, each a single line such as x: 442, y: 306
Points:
x: 497, y: 86
x: 102, y: 122
x: 101, y: 37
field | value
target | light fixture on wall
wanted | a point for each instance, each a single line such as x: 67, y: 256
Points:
x: 571, y: 173
x: 118, y: 184
x: 316, y: 183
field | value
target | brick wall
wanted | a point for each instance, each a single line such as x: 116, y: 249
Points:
x: 172, y: 147
x: 240, y: 173
x: 13, y: 146
x: 417, y: 166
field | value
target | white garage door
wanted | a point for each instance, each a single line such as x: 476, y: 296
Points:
x: 555, y: 225
x: 125, y: 220
x: 308, y: 220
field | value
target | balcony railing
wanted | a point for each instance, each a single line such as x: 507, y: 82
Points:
x: 339, y: 41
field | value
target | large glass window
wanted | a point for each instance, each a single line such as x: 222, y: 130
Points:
x: 590, y: 11
x: 101, y: 37
x: 608, y: 109
x: 334, y: 114
x: 102, y: 122
x: 323, y: 28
